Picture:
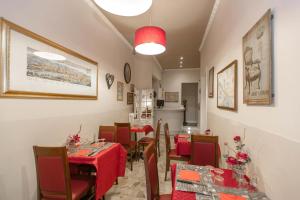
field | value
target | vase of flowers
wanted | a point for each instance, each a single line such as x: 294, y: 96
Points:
x: 73, y: 140
x: 238, y: 161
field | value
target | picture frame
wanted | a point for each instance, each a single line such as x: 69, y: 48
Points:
x: 35, y: 67
x: 131, y: 87
x: 227, y: 87
x: 171, y: 96
x: 127, y: 73
x: 120, y: 91
x: 130, y: 98
x: 257, y: 62
x: 211, y: 82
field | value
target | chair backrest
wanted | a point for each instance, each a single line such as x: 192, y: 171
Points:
x: 52, y: 171
x: 123, y: 134
x: 108, y: 133
x: 167, y: 138
x: 205, y: 150
x: 157, y: 133
x: 151, y: 171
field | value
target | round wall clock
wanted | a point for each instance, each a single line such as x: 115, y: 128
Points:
x: 127, y: 73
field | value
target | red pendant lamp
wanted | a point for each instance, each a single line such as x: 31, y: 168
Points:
x: 150, y: 40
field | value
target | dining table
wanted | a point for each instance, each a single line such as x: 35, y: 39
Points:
x: 142, y: 129
x: 191, y: 182
x: 108, y: 159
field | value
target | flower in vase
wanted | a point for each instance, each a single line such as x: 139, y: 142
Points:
x: 237, y: 138
x: 231, y: 160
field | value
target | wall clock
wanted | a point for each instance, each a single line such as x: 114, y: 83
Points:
x: 127, y: 73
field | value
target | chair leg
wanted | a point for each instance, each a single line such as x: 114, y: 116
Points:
x: 117, y: 182
x: 167, y: 168
x: 131, y: 158
x: 158, y: 148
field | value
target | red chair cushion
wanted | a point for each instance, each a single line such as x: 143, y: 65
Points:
x: 148, y: 129
x: 165, y: 197
x: 123, y: 135
x: 51, y: 174
x: 203, y: 153
x: 109, y: 136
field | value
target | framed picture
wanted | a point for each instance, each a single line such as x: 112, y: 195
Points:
x: 227, y: 87
x: 257, y: 56
x: 211, y: 83
x: 131, y: 87
x: 171, y: 96
x: 127, y: 73
x: 129, y: 98
x: 35, y: 67
x: 120, y: 91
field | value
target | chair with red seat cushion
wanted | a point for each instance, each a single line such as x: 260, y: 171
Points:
x: 123, y: 136
x: 53, y: 175
x: 108, y: 133
x: 147, y: 140
x: 205, y: 150
x: 151, y: 171
x: 171, y: 153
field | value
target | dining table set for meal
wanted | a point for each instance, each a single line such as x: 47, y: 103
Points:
x: 191, y: 182
x: 108, y: 160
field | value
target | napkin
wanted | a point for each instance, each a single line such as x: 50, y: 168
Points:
x: 189, y: 175
x: 82, y: 152
x: 224, y: 196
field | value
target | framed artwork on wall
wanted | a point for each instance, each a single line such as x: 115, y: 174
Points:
x: 171, y: 96
x: 120, y: 91
x: 109, y: 79
x: 35, y: 67
x: 227, y: 87
x: 211, y: 83
x: 257, y: 57
x: 131, y: 87
x: 127, y: 73
x: 130, y: 98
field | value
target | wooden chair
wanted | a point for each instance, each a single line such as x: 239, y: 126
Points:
x: 53, y: 175
x: 123, y: 136
x: 205, y: 150
x: 145, y: 141
x: 151, y: 171
x: 108, y: 133
x: 171, y: 154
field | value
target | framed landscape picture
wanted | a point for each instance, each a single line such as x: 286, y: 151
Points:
x: 211, y: 83
x: 257, y: 69
x: 35, y: 67
x: 120, y: 91
x: 171, y: 96
x: 227, y: 87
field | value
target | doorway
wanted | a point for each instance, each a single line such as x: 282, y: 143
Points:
x: 189, y: 97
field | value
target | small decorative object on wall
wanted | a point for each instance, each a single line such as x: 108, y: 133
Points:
x: 127, y: 73
x: 129, y: 98
x: 227, y: 87
x: 257, y: 54
x: 131, y: 87
x: 109, y: 79
x: 120, y: 91
x: 34, y: 67
x: 211, y: 83
x: 171, y: 96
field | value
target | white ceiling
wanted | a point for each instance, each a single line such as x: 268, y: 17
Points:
x: 184, y: 22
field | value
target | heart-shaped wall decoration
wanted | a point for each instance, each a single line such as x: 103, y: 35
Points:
x: 109, y: 79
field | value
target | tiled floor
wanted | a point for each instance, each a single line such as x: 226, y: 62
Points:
x: 133, y: 185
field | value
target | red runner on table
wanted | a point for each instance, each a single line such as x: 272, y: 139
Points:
x: 109, y: 163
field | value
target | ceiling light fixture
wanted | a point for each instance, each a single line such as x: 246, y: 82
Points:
x: 125, y: 7
x: 150, y: 40
x: 181, y: 58
x: 49, y: 56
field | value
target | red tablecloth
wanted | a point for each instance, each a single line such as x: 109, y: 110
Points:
x: 109, y: 163
x: 180, y: 195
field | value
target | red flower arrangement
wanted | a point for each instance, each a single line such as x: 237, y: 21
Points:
x: 74, y: 138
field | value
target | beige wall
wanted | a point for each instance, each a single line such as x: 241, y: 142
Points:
x: 272, y: 134
x: 24, y: 123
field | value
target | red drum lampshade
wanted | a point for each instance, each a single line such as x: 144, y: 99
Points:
x: 150, y: 40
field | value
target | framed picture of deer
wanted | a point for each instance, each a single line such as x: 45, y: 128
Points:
x: 257, y: 59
